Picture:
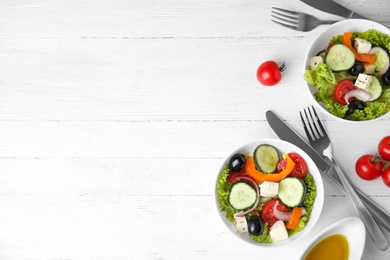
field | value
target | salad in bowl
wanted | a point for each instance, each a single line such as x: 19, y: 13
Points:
x: 347, y: 70
x: 269, y: 192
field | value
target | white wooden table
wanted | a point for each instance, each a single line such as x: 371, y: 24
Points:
x: 115, y: 116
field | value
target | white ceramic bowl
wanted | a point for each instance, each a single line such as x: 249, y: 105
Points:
x: 352, y: 228
x: 283, y: 147
x: 321, y: 42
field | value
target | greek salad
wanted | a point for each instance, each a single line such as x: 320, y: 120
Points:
x: 352, y: 75
x: 268, y: 196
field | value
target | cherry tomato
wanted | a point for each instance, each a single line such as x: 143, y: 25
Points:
x: 341, y: 89
x: 367, y: 168
x: 267, y: 212
x: 384, y: 148
x: 386, y: 176
x: 300, y: 168
x: 234, y: 176
x: 269, y: 73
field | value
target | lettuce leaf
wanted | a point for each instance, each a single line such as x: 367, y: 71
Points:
x: 320, y: 75
x: 223, y: 187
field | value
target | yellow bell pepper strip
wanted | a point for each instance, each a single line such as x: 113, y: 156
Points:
x: 258, y: 176
x: 362, y: 57
x: 295, y: 218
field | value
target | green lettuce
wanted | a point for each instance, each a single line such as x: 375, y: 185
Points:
x: 321, y: 75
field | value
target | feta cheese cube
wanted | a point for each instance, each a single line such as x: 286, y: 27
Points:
x: 278, y: 231
x: 362, y: 46
x: 363, y: 81
x: 269, y: 189
x: 241, y: 224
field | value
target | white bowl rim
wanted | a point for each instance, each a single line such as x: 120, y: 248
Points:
x: 319, y: 202
x: 344, y: 227
x: 333, y: 30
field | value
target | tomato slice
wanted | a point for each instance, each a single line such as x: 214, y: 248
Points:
x: 341, y: 89
x: 300, y: 168
x: 234, y: 176
x: 267, y: 212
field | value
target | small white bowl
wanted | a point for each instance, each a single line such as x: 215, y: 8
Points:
x: 321, y: 42
x: 283, y: 147
x: 352, y: 228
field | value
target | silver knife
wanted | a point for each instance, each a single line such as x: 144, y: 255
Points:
x: 285, y: 132
x: 333, y: 8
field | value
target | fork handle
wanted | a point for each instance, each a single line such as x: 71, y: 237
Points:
x: 381, y: 216
x: 371, y: 226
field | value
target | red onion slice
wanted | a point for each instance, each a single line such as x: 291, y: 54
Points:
x: 358, y: 93
x: 253, y: 182
x: 285, y: 216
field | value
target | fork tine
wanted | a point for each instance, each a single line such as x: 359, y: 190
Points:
x: 294, y: 27
x: 308, y: 134
x: 285, y: 19
x: 285, y: 12
x: 323, y: 130
x: 309, y: 120
x: 315, y: 120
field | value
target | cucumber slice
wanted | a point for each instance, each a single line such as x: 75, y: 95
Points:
x: 381, y: 59
x: 339, y: 57
x: 266, y: 158
x: 242, y: 195
x: 292, y: 191
x: 374, y: 89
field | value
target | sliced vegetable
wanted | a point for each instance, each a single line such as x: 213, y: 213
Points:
x: 266, y: 158
x: 268, y: 212
x: 250, y: 180
x: 341, y: 89
x: 292, y: 191
x: 314, y: 61
x: 339, y: 57
x: 347, y: 40
x: 357, y: 93
x: 258, y: 176
x: 381, y: 59
x: 363, y: 57
x: 242, y: 195
x: 295, y: 218
x: 374, y: 89
x: 281, y: 215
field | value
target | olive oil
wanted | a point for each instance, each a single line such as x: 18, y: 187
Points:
x: 333, y: 247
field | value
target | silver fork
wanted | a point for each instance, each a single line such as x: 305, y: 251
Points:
x: 320, y: 141
x: 296, y: 21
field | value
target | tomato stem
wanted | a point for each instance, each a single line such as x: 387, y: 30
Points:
x: 378, y: 158
x: 283, y: 67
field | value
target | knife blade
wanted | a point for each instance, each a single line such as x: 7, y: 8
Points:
x: 333, y: 8
x: 286, y: 133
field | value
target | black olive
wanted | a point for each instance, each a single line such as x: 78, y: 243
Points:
x: 356, y: 69
x: 386, y: 78
x: 236, y: 163
x: 350, y: 111
x: 356, y: 104
x: 255, y: 226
